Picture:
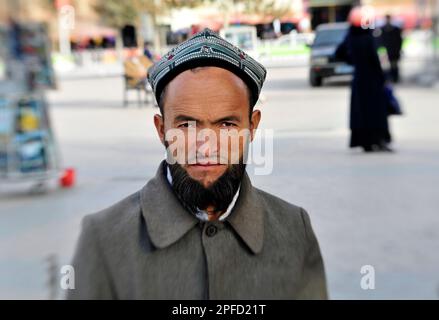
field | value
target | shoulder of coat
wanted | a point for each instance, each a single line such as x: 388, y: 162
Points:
x: 277, y: 204
x: 125, y: 211
x: 284, y: 219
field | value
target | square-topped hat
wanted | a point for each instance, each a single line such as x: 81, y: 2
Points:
x: 207, y: 48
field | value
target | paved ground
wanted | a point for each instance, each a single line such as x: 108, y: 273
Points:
x: 375, y: 209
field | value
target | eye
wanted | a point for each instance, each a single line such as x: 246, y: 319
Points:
x: 189, y: 124
x: 227, y: 124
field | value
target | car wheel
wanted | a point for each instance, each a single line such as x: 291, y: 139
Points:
x: 315, y: 80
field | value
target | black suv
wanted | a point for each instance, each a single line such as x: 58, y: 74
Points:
x: 323, y: 63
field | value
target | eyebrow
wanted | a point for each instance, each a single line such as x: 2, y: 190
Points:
x: 183, y: 117
x: 228, y: 118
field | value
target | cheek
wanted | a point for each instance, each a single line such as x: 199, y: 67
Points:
x: 233, y: 146
x: 177, y: 144
x: 191, y: 146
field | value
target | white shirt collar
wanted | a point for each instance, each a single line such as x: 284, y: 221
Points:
x: 201, y: 214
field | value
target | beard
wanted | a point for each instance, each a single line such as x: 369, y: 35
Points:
x: 193, y: 195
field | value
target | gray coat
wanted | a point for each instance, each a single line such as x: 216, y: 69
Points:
x: 148, y: 247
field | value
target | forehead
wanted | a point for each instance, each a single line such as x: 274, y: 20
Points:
x: 206, y: 90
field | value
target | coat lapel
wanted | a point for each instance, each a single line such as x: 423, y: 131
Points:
x: 248, y: 216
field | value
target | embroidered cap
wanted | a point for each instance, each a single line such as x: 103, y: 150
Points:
x: 207, y: 48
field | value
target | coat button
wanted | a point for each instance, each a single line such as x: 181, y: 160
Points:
x: 211, y: 230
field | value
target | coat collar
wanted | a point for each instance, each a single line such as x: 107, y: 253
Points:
x: 167, y: 221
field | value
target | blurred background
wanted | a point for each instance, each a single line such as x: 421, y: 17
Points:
x: 76, y: 130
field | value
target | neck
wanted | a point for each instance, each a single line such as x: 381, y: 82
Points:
x: 213, y: 214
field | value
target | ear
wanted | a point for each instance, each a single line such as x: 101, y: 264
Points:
x: 254, y: 122
x: 160, y: 127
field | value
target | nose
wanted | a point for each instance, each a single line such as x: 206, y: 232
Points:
x: 207, y: 144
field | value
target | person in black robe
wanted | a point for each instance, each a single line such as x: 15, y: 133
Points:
x: 390, y: 37
x: 368, y: 112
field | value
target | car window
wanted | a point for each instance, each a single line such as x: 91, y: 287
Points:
x: 329, y: 37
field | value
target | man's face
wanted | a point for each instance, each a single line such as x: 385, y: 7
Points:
x: 212, y: 101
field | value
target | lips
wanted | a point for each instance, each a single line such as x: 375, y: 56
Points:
x: 206, y: 164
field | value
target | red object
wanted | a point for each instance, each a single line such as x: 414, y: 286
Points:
x: 67, y: 180
x: 362, y: 16
x: 60, y: 3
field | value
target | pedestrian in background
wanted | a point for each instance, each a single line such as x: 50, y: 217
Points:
x: 390, y: 37
x: 368, y: 110
x: 146, y: 51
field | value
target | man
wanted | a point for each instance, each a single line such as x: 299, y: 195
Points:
x: 391, y: 39
x: 135, y: 74
x: 199, y: 229
x: 135, y: 70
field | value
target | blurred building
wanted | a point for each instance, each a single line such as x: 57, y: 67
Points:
x: 270, y: 21
x: 179, y: 23
x: 87, y: 24
x: 326, y: 11
x: 409, y: 13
